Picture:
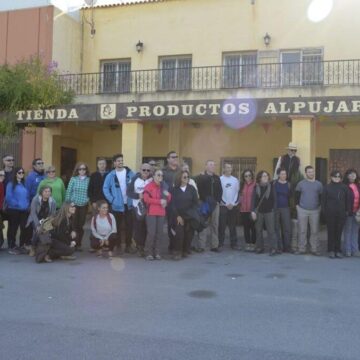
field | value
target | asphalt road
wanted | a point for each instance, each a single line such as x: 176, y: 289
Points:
x: 232, y: 305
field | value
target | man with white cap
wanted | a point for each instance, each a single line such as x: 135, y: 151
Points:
x: 290, y: 162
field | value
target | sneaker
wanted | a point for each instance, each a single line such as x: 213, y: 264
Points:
x: 199, y: 250
x: 332, y: 255
x: 68, y: 257
x: 217, y: 250
x: 91, y: 250
x: 177, y: 257
x: 259, y: 251
x: 129, y: 250
x: 157, y: 257
x: 348, y: 254
x: 338, y: 255
x: 235, y: 247
x: 32, y: 252
x: 78, y: 248
x: 149, y: 258
x: 22, y: 250
x: 13, y: 251
x: 272, y: 252
x: 110, y: 254
x: 315, y: 253
x: 141, y: 252
x: 99, y: 253
x: 47, y: 259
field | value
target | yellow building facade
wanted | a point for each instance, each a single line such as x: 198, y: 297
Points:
x: 233, y: 80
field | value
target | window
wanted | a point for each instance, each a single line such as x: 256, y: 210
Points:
x: 302, y: 67
x: 175, y: 73
x: 116, y: 76
x: 239, y: 164
x: 240, y: 70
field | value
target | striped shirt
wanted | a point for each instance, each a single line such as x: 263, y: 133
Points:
x: 77, y: 191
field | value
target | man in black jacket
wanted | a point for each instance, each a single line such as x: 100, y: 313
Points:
x: 95, y: 190
x: 210, y: 189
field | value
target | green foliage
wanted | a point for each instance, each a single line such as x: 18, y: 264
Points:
x: 29, y: 85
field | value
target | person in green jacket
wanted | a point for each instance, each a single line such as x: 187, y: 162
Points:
x: 56, y: 184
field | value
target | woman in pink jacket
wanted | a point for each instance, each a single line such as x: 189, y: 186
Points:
x: 156, y: 198
x: 246, y: 190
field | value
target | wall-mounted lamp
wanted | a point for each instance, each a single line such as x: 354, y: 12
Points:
x: 139, y: 46
x: 267, y: 39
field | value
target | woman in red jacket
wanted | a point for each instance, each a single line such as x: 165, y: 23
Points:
x: 156, y: 199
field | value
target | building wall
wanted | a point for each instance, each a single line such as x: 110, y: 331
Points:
x: 197, y: 28
x: 66, y: 47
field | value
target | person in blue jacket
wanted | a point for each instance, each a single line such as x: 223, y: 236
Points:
x: 114, y: 188
x: 34, y: 177
x: 18, y: 203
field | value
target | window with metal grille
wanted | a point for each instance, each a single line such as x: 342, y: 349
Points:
x: 175, y: 73
x: 116, y: 76
x: 239, y: 164
x: 240, y: 70
x: 301, y: 67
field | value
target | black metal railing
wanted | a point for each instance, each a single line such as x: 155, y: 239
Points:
x: 271, y: 75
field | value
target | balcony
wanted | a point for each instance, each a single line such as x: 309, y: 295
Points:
x: 214, y: 78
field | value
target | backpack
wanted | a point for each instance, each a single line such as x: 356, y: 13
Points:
x: 108, y: 218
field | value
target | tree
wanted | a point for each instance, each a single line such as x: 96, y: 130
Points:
x: 29, y: 85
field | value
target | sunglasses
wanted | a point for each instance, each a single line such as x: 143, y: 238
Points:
x: 293, y: 150
x: 21, y: 172
x: 337, y: 176
x: 248, y: 175
x: 9, y: 160
x: 40, y: 163
x: 80, y: 169
x: 173, y: 157
x: 185, y: 177
x: 147, y: 170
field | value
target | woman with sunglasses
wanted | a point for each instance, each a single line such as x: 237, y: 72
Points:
x: 77, y: 193
x: 247, y: 185
x: 18, y: 203
x: 156, y: 199
x: 263, y: 206
x: 334, y: 206
x: 184, y: 200
x: 2, y: 195
x: 135, y: 191
x: 56, y: 184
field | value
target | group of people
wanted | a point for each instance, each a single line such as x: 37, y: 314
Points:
x: 128, y: 206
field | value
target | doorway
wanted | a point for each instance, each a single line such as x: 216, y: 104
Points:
x: 67, y: 163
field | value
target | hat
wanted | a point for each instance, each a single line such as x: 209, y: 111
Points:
x: 291, y: 146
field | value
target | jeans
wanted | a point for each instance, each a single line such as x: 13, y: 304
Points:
x: 335, y: 225
x: 139, y: 231
x: 79, y: 222
x: 155, y: 229
x: 269, y: 220
x: 127, y: 217
x: 227, y: 218
x: 249, y: 228
x: 17, y: 218
x: 306, y: 217
x: 351, y: 230
x: 283, y: 228
x: 95, y: 242
x: 213, y: 229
